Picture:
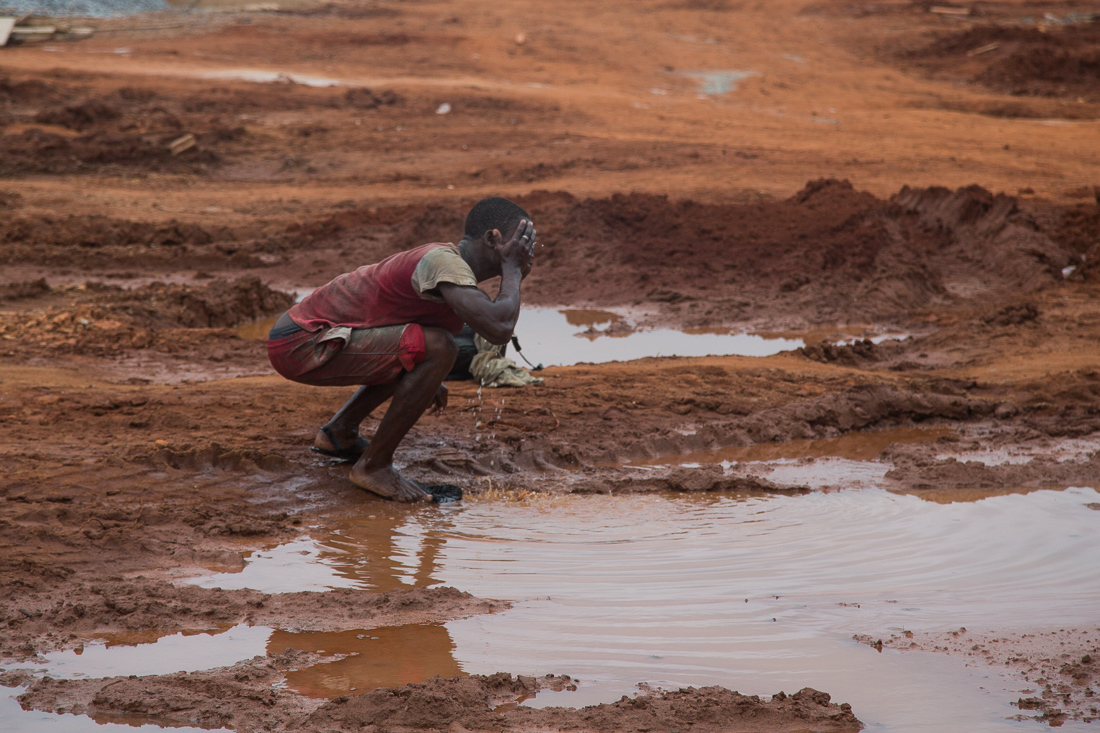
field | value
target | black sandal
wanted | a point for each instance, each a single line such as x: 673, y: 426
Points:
x: 350, y: 453
x: 441, y: 493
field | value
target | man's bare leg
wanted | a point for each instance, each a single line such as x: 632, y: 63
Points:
x: 413, y: 394
x: 344, y: 425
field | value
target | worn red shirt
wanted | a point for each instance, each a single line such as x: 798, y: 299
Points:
x: 387, y: 294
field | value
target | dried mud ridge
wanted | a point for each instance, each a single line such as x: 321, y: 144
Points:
x: 97, y: 319
x: 1060, y: 667
x: 243, y: 697
x: 829, y: 254
x: 1049, y: 61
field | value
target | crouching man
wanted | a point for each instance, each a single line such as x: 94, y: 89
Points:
x: 390, y: 328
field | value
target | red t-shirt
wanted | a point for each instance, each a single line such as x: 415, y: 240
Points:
x: 386, y: 294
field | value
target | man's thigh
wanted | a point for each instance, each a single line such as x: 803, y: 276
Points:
x: 359, y: 356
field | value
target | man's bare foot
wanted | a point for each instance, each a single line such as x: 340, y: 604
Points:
x: 387, y: 482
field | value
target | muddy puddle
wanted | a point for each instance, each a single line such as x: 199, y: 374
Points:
x: 555, y: 337
x: 756, y: 594
x: 566, y: 337
x: 719, y: 82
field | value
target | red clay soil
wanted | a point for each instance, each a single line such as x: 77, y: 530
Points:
x: 476, y: 703
x: 1058, y: 61
x: 835, y: 193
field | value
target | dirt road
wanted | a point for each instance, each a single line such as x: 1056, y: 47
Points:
x: 808, y: 169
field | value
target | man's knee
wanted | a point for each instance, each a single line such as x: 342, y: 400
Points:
x: 440, y: 345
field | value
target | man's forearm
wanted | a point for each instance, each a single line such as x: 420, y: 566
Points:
x: 507, y: 300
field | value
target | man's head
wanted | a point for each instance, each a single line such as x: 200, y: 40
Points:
x: 493, y: 213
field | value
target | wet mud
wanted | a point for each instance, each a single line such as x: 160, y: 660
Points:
x: 474, y: 702
x: 1059, y: 666
x: 840, y: 189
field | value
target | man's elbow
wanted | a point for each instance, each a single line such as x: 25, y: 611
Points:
x: 499, y: 334
x: 498, y: 338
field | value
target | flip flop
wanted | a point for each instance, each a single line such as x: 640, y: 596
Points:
x: 441, y: 493
x: 349, y: 453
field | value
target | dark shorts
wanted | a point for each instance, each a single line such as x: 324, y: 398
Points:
x: 334, y: 357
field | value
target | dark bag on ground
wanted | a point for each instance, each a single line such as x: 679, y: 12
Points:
x: 466, y: 353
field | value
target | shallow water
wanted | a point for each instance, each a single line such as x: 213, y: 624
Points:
x: 566, y: 337
x: 16, y: 720
x: 754, y: 593
x: 719, y: 82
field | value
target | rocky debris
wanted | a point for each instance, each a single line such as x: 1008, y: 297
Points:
x: 856, y: 353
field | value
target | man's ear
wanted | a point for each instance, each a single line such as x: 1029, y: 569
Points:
x: 493, y: 238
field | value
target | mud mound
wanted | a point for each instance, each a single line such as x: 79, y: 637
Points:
x: 1060, y: 61
x: 854, y: 354
x: 24, y: 290
x: 28, y: 91
x: 363, y: 98
x: 437, y: 224
x: 147, y: 605
x: 470, y: 702
x: 1012, y: 315
x: 192, y: 699
x: 218, y: 305
x: 915, y: 469
x: 80, y: 116
x: 828, y: 253
x: 26, y: 237
x: 35, y: 151
x: 1080, y: 233
x: 107, y: 319
x: 247, y: 696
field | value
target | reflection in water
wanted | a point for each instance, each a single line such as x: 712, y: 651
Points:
x: 590, y: 318
x: 552, y: 336
x: 756, y: 594
x: 384, y: 657
x: 854, y: 446
x: 167, y: 654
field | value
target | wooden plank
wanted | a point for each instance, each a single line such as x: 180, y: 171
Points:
x: 181, y: 144
x: 983, y: 49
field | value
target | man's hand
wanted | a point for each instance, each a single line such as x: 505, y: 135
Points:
x: 520, y: 249
x: 439, y: 402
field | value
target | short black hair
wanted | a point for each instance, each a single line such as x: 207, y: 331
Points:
x: 493, y: 213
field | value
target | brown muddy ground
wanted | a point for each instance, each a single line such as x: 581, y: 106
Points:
x: 875, y: 171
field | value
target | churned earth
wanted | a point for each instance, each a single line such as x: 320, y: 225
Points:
x: 814, y: 170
